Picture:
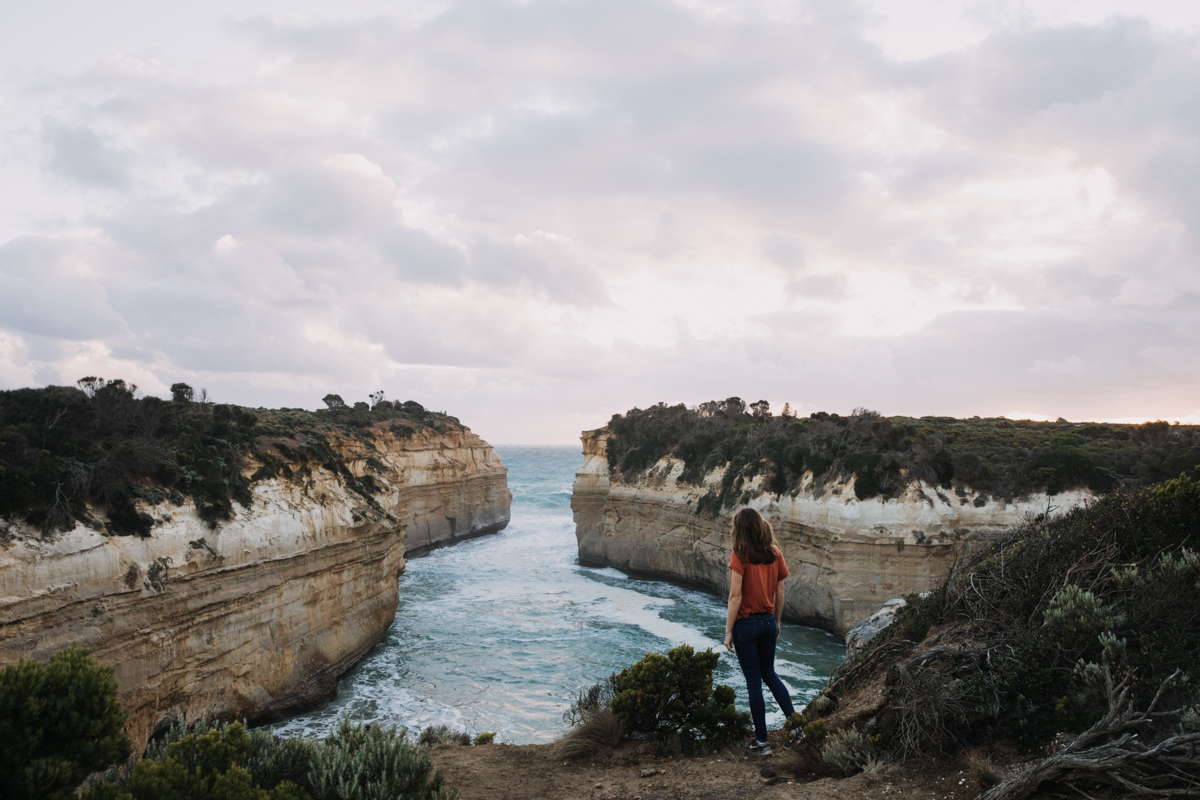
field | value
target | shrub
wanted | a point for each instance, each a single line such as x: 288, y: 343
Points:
x: 849, y: 751
x: 801, y: 728
x: 272, y: 760
x: 205, y: 766
x: 485, y: 738
x: 673, y: 695
x: 355, y: 762
x: 59, y: 722
x: 443, y: 734
x: 822, y: 705
x: 368, y: 762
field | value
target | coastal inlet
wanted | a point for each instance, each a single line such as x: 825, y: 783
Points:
x: 500, y: 633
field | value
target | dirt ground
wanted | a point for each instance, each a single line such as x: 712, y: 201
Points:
x: 521, y: 772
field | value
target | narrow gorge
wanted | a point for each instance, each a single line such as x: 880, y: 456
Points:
x: 847, y: 555
x: 258, y: 614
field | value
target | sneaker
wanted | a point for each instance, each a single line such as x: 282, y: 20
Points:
x: 761, y: 748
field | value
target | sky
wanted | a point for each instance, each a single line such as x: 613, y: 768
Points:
x: 533, y: 215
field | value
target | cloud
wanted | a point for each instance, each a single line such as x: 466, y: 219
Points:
x: 540, y: 212
x: 79, y: 153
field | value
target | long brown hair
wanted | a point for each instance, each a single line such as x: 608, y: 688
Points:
x: 753, y: 538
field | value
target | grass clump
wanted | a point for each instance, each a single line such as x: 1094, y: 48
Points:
x: 595, y: 730
x: 999, y: 459
x: 595, y: 734
x: 443, y: 734
x: 849, y: 751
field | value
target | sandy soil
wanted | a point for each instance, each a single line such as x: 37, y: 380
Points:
x: 521, y: 772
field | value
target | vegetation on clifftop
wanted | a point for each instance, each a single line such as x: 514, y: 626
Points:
x: 90, y: 453
x: 998, y: 458
x: 1084, y: 626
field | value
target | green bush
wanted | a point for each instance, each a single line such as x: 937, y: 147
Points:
x: 799, y: 727
x: 223, y: 762
x: 59, y: 722
x: 673, y: 695
x: 204, y: 766
x: 372, y: 763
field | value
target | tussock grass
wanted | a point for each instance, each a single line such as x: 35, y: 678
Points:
x: 595, y: 734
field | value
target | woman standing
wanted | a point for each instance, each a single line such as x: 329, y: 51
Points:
x: 756, y: 574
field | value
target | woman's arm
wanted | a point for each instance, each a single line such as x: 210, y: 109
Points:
x: 778, y: 609
x: 735, y: 604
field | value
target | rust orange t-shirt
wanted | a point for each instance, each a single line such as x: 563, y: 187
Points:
x: 758, y: 583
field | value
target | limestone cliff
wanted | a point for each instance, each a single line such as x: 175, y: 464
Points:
x: 262, y: 614
x: 847, y: 556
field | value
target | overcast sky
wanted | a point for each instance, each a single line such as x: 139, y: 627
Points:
x: 535, y: 214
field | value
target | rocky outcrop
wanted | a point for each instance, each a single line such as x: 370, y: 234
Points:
x: 261, y: 615
x: 873, y: 625
x: 846, y: 556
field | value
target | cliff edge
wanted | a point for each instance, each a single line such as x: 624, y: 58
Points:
x: 261, y: 613
x: 847, y: 556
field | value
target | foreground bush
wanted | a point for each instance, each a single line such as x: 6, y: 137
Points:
x: 224, y: 762
x: 373, y: 763
x: 672, y: 696
x: 206, y: 766
x: 58, y: 723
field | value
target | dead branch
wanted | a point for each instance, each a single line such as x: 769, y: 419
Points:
x: 1116, y: 752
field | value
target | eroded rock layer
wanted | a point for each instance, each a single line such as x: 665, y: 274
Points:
x: 847, y: 557
x: 261, y: 615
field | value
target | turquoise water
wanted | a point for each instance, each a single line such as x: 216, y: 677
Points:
x: 500, y: 633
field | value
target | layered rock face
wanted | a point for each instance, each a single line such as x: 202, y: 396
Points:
x: 263, y: 614
x: 846, y: 556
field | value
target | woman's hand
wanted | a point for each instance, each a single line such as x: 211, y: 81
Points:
x: 735, y: 604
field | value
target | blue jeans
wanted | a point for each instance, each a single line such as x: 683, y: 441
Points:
x: 754, y: 642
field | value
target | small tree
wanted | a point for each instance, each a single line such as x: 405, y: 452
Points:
x: 377, y: 399
x: 333, y: 402
x: 673, y: 694
x: 182, y: 393
x: 59, y: 722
